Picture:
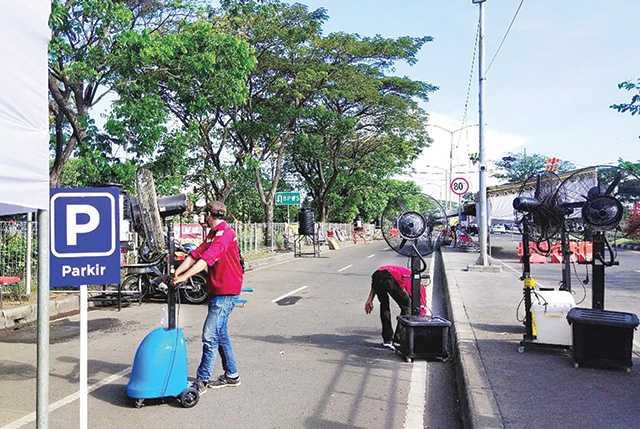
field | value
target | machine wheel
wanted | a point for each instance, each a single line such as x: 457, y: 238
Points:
x: 576, y: 365
x: 190, y: 397
x: 628, y: 370
x: 138, y: 403
x: 194, y: 290
x: 407, y: 359
x: 521, y: 349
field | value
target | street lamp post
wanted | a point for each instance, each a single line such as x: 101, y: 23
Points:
x: 450, y: 176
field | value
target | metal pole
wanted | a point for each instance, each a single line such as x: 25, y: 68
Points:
x: 28, y: 262
x: 42, y: 389
x: 84, y: 393
x: 482, y: 218
x: 449, y: 199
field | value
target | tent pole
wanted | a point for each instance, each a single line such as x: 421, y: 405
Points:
x: 42, y: 399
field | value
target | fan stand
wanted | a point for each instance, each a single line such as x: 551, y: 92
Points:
x: 529, y: 338
x: 566, y: 261
x: 597, y: 267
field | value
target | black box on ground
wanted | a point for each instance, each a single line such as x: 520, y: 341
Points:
x: 602, y: 338
x: 422, y: 337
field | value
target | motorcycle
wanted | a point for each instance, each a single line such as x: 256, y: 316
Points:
x: 149, y: 279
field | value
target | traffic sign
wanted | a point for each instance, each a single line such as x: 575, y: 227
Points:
x: 288, y: 198
x: 459, y: 186
x: 84, y: 237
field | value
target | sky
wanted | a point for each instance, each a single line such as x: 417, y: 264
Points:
x: 548, y: 91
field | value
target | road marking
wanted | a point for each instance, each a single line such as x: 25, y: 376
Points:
x: 416, y: 400
x: 345, y: 268
x: 286, y: 295
x: 637, y: 271
x: 516, y: 271
x: 29, y: 418
x: 264, y: 267
x: 371, y: 256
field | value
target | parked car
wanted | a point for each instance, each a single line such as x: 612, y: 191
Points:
x: 499, y: 228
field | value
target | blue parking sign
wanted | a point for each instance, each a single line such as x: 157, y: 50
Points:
x: 84, y: 229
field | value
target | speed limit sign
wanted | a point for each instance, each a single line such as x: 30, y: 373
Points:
x: 459, y: 186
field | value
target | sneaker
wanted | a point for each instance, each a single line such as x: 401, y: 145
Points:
x: 200, y: 385
x: 389, y: 346
x: 224, y: 381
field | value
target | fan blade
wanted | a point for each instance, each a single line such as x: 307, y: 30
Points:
x: 615, y: 183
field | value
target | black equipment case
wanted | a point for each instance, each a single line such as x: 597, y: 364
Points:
x: 602, y: 338
x: 422, y: 337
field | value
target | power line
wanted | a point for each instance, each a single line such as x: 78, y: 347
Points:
x: 470, y: 80
x: 515, y: 15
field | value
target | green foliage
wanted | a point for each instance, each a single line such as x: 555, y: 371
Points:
x: 634, y: 167
x: 633, y: 106
x: 516, y: 167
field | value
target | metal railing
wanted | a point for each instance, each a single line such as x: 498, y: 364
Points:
x: 18, y: 255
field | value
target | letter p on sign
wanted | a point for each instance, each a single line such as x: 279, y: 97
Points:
x: 74, y: 227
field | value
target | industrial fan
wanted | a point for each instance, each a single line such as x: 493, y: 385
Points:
x: 541, y: 218
x: 598, y: 203
x: 413, y: 227
x: 605, y: 199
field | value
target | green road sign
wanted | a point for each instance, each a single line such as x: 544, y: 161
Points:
x: 288, y: 198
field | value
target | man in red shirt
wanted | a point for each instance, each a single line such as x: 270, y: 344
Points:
x: 219, y: 255
x: 394, y: 281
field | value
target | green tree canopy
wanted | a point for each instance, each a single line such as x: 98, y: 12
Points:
x: 516, y: 167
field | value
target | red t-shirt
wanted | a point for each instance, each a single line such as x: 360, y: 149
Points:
x: 402, y: 276
x: 220, y: 248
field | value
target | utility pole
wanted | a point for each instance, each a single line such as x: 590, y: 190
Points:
x: 483, y: 212
x: 449, y: 177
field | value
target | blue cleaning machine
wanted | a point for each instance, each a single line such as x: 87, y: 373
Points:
x: 160, y: 367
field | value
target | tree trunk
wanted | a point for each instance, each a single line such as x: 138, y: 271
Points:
x: 268, y: 236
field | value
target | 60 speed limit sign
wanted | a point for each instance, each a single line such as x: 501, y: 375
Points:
x: 459, y: 186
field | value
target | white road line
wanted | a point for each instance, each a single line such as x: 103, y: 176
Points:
x: 516, y: 271
x: 345, y: 268
x: 416, y: 400
x: 264, y: 267
x: 29, y: 418
x: 371, y: 256
x: 637, y: 271
x: 284, y: 296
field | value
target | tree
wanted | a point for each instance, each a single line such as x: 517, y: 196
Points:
x: 83, y: 34
x: 633, y: 106
x: 516, y: 167
x: 285, y: 77
x: 174, y: 90
x: 360, y: 120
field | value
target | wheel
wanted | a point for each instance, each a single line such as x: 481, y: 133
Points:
x: 628, y: 370
x: 194, y: 290
x: 576, y: 365
x: 138, y: 403
x: 521, y: 349
x: 407, y: 359
x: 190, y: 397
x: 133, y: 283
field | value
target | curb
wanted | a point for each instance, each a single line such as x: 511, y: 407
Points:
x: 478, y: 403
x: 12, y: 317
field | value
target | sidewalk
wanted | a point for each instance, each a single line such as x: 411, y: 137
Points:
x: 500, y: 387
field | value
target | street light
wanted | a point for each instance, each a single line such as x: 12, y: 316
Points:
x: 451, y: 133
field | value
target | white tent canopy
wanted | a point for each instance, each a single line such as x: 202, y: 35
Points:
x: 24, y: 121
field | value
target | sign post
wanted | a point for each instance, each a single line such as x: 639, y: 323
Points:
x: 84, y: 250
x: 459, y: 186
x: 288, y: 199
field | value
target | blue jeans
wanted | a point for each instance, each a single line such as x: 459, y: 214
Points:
x: 216, y: 338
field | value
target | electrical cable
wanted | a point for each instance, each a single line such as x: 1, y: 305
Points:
x: 469, y: 81
x: 582, y: 282
x: 503, y: 38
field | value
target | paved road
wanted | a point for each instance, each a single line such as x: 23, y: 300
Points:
x: 622, y: 282
x: 310, y: 360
